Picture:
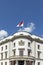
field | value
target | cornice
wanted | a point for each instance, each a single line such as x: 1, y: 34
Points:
x: 21, y: 36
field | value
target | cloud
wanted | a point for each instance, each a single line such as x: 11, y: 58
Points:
x: 3, y: 34
x: 29, y: 28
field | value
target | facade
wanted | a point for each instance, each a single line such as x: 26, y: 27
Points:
x: 21, y: 48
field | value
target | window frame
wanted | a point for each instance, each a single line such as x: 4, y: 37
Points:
x: 6, y: 55
x: 6, y: 47
x: 38, y: 46
x: 1, y: 55
x: 21, y: 52
x: 28, y: 44
x: 14, y: 44
x: 1, y: 48
x: 38, y: 63
x: 5, y: 63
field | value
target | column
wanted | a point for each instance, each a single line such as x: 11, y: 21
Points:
x: 24, y: 62
x: 16, y: 62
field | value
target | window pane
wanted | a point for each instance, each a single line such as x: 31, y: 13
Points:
x: 21, y: 52
x: 6, y: 47
x: 14, y: 52
x: 38, y: 46
x: 5, y: 63
x: 38, y: 63
x: 28, y: 44
x: 14, y: 44
x: 28, y: 52
x: 1, y: 55
x: 1, y: 48
x: 38, y: 54
x: 5, y: 54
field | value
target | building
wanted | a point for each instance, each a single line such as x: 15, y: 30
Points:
x: 22, y: 48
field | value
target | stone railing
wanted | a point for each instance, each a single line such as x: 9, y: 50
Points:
x: 22, y: 57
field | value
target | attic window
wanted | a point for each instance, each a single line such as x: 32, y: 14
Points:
x: 14, y: 44
x: 28, y: 44
x: 21, y: 34
x: 38, y: 46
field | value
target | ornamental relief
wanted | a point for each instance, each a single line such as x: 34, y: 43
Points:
x: 21, y: 42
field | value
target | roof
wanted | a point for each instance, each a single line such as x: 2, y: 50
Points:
x: 36, y: 38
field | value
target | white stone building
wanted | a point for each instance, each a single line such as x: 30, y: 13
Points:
x: 21, y: 48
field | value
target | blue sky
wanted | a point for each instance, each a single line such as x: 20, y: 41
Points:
x: 13, y: 11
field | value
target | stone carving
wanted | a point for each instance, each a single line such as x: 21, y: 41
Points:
x: 21, y: 43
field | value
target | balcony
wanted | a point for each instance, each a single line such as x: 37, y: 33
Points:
x: 22, y: 57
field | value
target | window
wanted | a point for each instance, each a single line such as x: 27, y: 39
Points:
x: 5, y: 63
x: 14, y: 44
x: 38, y: 46
x: 21, y: 34
x: 1, y: 63
x: 21, y: 52
x: 5, y: 55
x: 28, y: 52
x: 1, y: 55
x: 14, y: 52
x: 6, y: 47
x: 28, y: 44
x: 38, y: 54
x: 1, y: 48
x: 38, y: 63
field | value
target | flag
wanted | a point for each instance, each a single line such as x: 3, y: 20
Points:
x: 20, y: 24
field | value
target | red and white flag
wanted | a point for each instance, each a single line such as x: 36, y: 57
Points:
x: 20, y: 24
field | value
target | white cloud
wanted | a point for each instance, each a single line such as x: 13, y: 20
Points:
x: 3, y: 34
x: 30, y: 28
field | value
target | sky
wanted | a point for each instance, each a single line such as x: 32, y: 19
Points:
x: 14, y: 11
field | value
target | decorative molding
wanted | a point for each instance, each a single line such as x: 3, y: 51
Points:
x: 21, y: 42
x: 20, y: 36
